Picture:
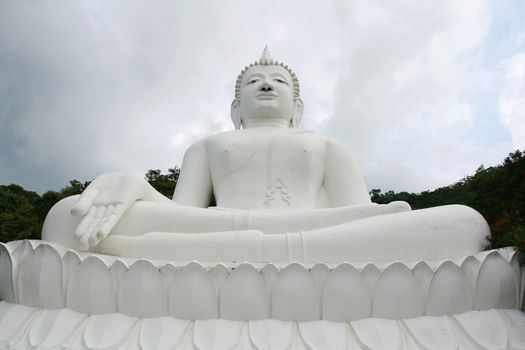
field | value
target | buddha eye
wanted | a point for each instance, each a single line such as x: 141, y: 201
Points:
x: 281, y: 81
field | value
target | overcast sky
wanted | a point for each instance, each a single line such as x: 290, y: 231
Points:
x: 423, y: 92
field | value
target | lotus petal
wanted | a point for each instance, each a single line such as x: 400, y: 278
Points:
x: 515, y: 322
x: 142, y: 291
x: 515, y: 263
x: 324, y: 334
x: 397, y: 294
x: 90, y: 289
x: 271, y: 334
x: 220, y: 274
x: 193, y: 295
x: 162, y: 333
x: 244, y: 295
x: 18, y: 254
x: 108, y: 331
x: 295, y: 296
x: 14, y: 319
x: 270, y: 273
x: 7, y: 288
x: 216, y: 334
x: 12, y: 245
x: 118, y: 269
x: 319, y: 273
x: 423, y: 274
x: 244, y: 339
x: 70, y: 261
x: 22, y: 250
x: 507, y: 252
x: 449, y: 291
x: 484, y: 328
x: 377, y: 333
x: 40, y: 279
x: 471, y: 267
x: 496, y: 285
x: 345, y: 295
x: 432, y: 333
x: 370, y: 274
x: 51, y: 328
x: 353, y: 342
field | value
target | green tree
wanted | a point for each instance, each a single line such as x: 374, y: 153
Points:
x: 17, y: 217
x: 164, y: 183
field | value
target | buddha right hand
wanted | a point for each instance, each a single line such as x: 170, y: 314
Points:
x: 103, y: 203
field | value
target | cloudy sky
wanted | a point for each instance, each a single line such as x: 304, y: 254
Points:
x: 423, y: 92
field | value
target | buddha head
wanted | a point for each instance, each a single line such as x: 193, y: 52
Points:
x: 266, y: 91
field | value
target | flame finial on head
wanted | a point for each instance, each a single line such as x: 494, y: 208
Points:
x: 266, y: 60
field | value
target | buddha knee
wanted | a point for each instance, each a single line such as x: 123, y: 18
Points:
x: 60, y: 225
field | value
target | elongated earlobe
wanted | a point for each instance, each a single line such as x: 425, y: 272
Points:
x: 235, y: 113
x: 297, y: 113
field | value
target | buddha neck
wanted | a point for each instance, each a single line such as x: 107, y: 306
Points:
x: 266, y: 122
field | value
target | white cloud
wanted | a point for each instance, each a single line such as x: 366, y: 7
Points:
x: 512, y: 99
x: 404, y: 100
x: 94, y: 86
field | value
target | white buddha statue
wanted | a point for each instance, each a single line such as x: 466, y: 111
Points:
x: 282, y: 194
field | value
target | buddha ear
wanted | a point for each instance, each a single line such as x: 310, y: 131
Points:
x: 235, y: 113
x: 297, y: 113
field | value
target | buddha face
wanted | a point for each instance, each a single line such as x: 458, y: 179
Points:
x: 267, y: 97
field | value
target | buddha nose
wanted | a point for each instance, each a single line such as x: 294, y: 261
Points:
x: 266, y: 87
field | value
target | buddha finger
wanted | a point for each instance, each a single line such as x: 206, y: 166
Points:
x: 92, y: 229
x: 84, y: 245
x: 105, y: 229
x: 93, y: 236
x: 85, y: 202
x: 109, y: 211
x: 117, y: 213
x: 105, y: 226
x: 89, y: 229
x: 84, y: 223
x: 112, y: 220
x: 102, y: 216
x: 110, y: 224
x: 100, y: 212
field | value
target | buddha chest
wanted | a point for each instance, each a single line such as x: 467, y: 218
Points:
x: 283, y: 168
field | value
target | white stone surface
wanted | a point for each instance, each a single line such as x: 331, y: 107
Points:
x: 98, y: 284
x: 28, y: 328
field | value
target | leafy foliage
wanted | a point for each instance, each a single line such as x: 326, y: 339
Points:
x: 165, y: 184
x: 17, y: 220
x: 22, y: 212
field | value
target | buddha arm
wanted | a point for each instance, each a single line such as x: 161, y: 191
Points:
x: 105, y: 200
x: 194, y: 187
x: 343, y: 182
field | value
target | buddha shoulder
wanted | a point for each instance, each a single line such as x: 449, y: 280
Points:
x: 256, y: 135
